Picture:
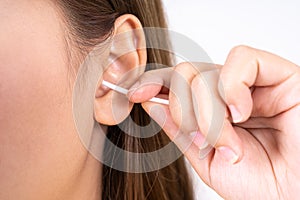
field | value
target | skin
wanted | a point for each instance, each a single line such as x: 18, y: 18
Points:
x: 257, y: 154
x: 41, y: 156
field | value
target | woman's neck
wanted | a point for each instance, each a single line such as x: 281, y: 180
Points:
x: 88, y: 182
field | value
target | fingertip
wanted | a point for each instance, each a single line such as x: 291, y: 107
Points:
x: 229, y: 146
x: 238, y: 99
x: 228, y: 154
x: 143, y: 93
x: 133, y: 94
x: 236, y: 115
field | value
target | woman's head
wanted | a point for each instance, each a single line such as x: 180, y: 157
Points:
x: 41, y: 155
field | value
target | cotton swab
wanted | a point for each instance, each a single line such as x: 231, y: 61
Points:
x: 125, y: 91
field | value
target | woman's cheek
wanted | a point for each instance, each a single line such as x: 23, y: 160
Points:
x: 38, y: 140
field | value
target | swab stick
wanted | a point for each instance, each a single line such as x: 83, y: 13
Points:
x: 125, y: 91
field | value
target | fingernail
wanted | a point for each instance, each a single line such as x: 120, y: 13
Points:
x: 205, y: 151
x: 198, y: 139
x: 228, y: 154
x: 204, y: 145
x: 235, y: 114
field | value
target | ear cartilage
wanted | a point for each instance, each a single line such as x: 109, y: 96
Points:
x: 125, y: 91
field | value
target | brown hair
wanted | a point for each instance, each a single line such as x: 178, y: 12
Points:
x: 91, y: 22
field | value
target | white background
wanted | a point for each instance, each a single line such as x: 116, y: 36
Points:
x: 217, y: 26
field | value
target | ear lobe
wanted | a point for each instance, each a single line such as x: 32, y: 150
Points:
x: 127, y: 58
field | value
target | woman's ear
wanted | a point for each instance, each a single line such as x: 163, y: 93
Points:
x: 127, y: 61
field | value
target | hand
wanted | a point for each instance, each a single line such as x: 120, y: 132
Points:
x: 257, y: 156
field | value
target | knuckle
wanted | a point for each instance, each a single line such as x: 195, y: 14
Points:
x: 195, y: 82
x: 184, y: 71
x: 240, y: 50
x: 183, y: 67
